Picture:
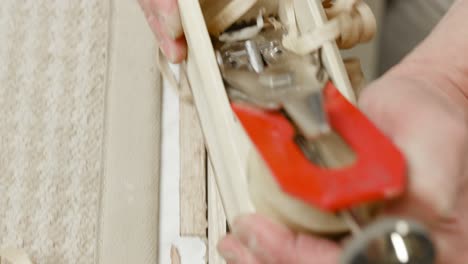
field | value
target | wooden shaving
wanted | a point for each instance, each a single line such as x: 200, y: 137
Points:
x: 245, y: 33
x: 357, y: 23
x: 350, y: 22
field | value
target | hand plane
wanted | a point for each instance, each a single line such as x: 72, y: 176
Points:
x: 276, y: 103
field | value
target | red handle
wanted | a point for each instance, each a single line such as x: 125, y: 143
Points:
x: 377, y: 174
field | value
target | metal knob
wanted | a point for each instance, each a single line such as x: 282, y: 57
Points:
x: 390, y: 241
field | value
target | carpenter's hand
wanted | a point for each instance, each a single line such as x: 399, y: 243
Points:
x: 429, y: 125
x: 163, y: 18
x: 422, y: 105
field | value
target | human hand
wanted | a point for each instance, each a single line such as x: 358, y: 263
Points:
x: 422, y: 105
x: 164, y: 19
x: 430, y: 128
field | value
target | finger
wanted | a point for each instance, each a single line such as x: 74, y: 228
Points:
x: 232, y: 250
x: 167, y: 12
x: 272, y: 243
x: 145, y: 6
x: 174, y: 49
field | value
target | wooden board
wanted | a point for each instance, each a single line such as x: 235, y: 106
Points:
x: 216, y: 219
x: 311, y: 14
x: 226, y: 144
x: 201, y: 211
x: 193, y: 178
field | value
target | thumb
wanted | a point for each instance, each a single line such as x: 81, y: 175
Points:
x: 269, y: 242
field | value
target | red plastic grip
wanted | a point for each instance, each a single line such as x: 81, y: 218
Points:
x: 379, y: 172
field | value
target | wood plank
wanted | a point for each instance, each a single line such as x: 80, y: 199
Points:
x: 227, y: 143
x: 310, y: 14
x: 191, y: 249
x: 193, y: 207
x: 216, y: 219
x: 175, y: 256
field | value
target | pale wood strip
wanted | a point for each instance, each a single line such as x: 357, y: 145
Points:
x: 193, y: 220
x: 175, y: 256
x: 310, y: 14
x: 226, y: 142
x: 216, y: 218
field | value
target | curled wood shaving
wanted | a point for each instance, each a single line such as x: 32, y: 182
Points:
x: 350, y: 22
x: 245, y: 33
x: 356, y: 21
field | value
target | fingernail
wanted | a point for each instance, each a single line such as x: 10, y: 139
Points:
x: 169, y: 50
x: 171, y: 24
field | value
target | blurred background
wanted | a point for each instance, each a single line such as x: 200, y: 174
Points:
x: 402, y: 25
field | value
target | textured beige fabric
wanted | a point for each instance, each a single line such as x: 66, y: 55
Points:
x: 79, y: 131
x: 53, y: 60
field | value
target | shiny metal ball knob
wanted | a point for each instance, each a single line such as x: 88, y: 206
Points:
x: 390, y: 241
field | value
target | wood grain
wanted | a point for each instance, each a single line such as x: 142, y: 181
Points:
x: 310, y: 14
x: 227, y: 143
x: 216, y: 219
x: 193, y: 207
x: 175, y: 256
